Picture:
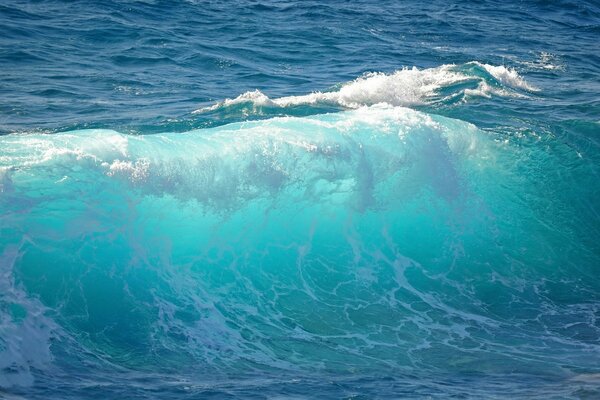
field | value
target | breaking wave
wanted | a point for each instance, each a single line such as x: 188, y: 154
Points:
x: 366, y: 241
x: 404, y: 87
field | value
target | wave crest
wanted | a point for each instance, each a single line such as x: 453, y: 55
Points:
x: 404, y: 87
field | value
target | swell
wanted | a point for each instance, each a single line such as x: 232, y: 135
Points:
x: 367, y: 241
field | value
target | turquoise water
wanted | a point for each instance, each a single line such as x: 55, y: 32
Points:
x: 293, y: 200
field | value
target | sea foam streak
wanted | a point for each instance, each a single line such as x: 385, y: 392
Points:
x: 405, y: 87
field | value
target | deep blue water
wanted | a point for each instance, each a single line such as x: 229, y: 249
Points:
x: 290, y: 199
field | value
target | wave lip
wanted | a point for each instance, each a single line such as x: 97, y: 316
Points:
x: 404, y: 87
x: 221, y: 163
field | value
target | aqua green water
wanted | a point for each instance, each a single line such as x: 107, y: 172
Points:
x: 373, y: 242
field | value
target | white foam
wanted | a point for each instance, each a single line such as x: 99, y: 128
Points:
x: 488, y: 91
x: 40, y: 149
x: 405, y: 87
x: 507, y: 76
x: 256, y: 97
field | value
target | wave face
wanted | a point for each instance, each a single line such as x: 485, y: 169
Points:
x: 292, y: 253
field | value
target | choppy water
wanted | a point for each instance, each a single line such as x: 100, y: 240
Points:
x: 299, y: 200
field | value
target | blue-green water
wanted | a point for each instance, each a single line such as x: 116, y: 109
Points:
x: 292, y: 200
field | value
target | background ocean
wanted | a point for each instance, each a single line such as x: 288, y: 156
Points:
x: 298, y: 199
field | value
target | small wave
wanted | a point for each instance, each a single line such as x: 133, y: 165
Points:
x: 405, y: 87
x: 507, y: 76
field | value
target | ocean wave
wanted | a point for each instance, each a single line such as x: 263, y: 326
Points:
x: 134, y: 241
x: 404, y: 87
x: 237, y: 159
x: 376, y: 239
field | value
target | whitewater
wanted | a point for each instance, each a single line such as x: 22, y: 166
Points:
x: 405, y: 87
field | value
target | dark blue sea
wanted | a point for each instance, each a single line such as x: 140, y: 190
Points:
x: 299, y: 199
